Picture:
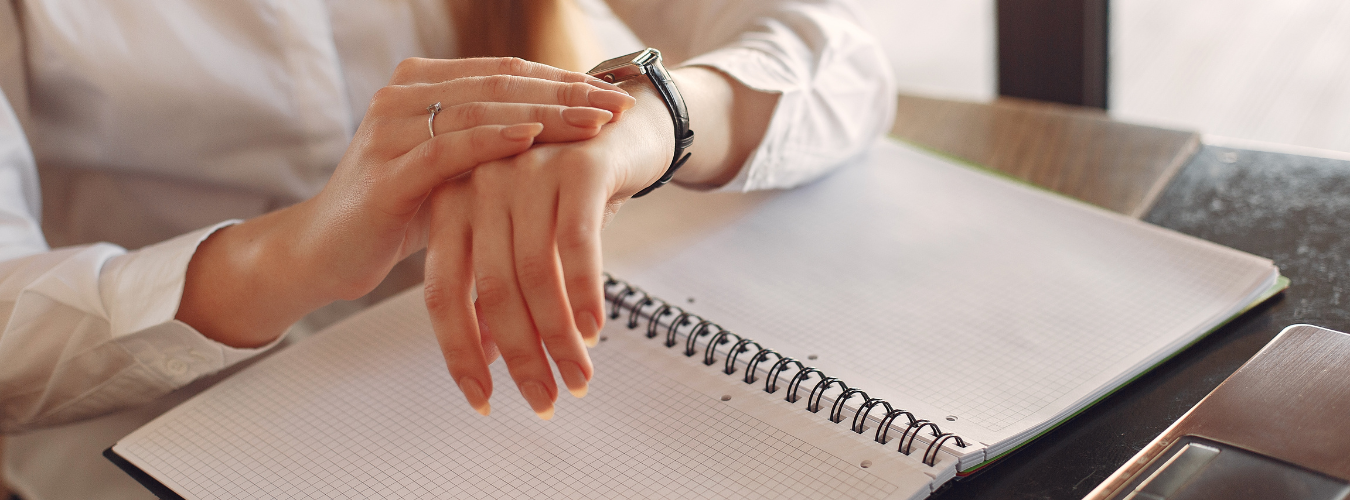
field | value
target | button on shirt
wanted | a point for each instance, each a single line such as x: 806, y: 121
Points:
x: 155, y: 123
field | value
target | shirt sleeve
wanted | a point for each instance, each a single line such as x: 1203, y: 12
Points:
x: 836, y: 91
x: 91, y: 329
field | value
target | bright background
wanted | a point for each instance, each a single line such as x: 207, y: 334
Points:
x: 1275, y: 71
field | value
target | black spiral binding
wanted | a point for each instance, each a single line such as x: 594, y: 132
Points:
x: 618, y: 295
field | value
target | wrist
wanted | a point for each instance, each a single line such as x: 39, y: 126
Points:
x: 731, y: 119
x: 651, y: 115
x: 645, y: 65
x: 700, y: 86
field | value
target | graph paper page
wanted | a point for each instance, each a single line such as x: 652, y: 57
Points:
x: 367, y: 410
x: 982, y: 304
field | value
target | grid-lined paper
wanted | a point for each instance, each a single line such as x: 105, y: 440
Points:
x: 367, y: 410
x: 941, y: 287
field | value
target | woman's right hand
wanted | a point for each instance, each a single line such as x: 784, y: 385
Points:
x: 248, y: 282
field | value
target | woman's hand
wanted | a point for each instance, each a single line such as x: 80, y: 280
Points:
x: 526, y: 231
x: 247, y: 283
x: 380, y: 201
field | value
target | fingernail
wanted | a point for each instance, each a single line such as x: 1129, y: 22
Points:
x: 473, y: 392
x: 586, y: 117
x: 522, y: 131
x: 604, y: 84
x: 539, y: 398
x: 613, y: 101
x: 573, y: 377
x: 590, y: 330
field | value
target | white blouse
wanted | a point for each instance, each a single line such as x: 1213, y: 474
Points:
x: 154, y: 123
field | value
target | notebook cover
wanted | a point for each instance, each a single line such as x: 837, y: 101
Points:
x: 150, y: 483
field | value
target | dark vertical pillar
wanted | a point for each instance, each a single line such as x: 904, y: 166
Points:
x: 1053, y: 50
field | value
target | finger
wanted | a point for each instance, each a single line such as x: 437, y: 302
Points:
x: 519, y: 89
x: 423, y: 70
x: 447, y: 293
x: 561, y: 123
x: 541, y: 282
x: 499, y: 295
x: 490, y: 351
x: 408, y: 179
x: 399, y: 134
x: 581, y: 208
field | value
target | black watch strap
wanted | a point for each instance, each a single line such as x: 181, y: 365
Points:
x: 649, y: 61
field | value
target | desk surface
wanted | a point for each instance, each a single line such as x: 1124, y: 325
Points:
x: 1292, y: 209
x: 1079, y: 152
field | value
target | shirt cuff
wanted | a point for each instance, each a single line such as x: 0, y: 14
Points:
x: 142, y: 291
x: 178, y: 354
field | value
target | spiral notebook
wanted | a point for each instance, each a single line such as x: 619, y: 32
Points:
x: 874, y: 335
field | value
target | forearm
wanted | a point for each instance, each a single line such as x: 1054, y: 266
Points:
x: 833, y: 89
x: 729, y: 121
x: 247, y: 283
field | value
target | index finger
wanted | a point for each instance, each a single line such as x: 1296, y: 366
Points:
x: 422, y: 70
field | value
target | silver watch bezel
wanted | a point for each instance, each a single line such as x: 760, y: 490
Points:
x: 625, y: 67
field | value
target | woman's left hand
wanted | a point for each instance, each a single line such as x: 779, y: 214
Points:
x: 525, y: 231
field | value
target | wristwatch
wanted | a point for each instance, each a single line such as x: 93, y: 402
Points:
x: 648, y: 62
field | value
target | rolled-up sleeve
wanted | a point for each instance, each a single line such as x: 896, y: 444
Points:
x: 836, y: 94
x: 87, y: 330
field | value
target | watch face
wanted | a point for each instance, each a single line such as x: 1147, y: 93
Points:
x: 613, y: 64
x: 639, y: 59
